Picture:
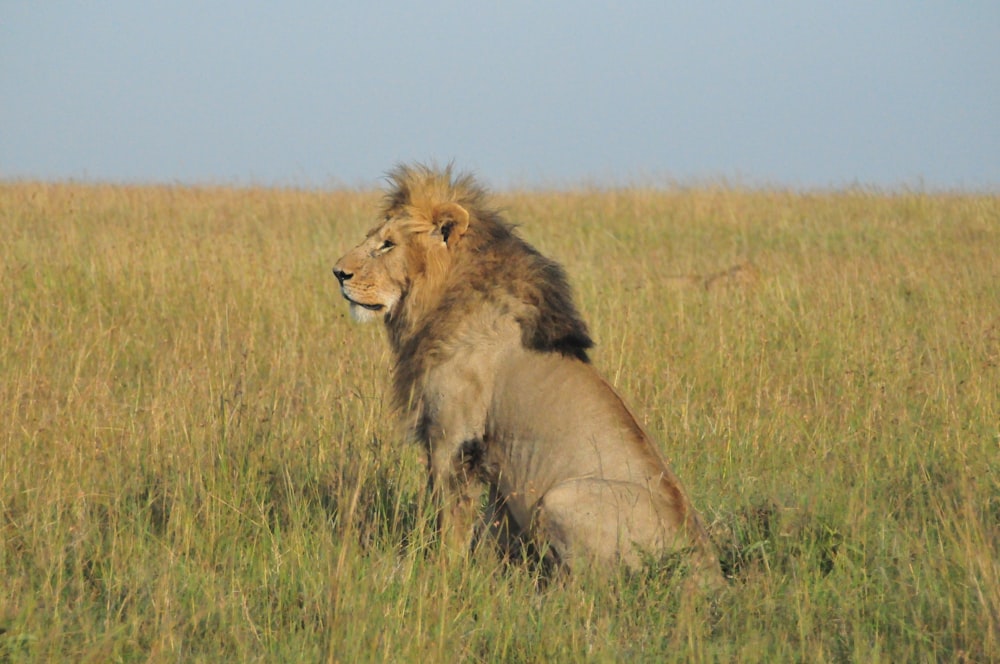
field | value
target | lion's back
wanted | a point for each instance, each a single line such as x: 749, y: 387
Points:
x: 557, y: 417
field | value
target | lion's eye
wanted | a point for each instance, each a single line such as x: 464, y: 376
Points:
x: 386, y: 246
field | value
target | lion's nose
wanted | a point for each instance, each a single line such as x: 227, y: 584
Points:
x: 341, y: 275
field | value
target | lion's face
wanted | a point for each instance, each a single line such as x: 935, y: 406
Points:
x: 373, y: 275
x: 408, y: 251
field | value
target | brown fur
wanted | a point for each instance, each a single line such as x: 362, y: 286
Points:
x: 491, y: 368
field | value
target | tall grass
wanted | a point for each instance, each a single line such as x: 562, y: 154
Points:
x: 197, y: 461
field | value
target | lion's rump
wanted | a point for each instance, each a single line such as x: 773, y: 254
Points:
x: 565, y: 442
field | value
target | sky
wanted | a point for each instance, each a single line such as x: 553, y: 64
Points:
x: 800, y: 94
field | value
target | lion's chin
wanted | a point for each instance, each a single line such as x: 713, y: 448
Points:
x: 365, y: 314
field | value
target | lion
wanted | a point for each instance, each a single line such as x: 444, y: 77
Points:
x: 493, y: 376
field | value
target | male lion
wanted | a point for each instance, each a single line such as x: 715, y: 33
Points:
x: 492, y: 371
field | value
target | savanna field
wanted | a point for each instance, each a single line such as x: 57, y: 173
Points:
x: 198, y: 461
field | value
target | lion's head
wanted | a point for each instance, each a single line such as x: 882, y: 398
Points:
x: 408, y: 252
x: 439, y: 252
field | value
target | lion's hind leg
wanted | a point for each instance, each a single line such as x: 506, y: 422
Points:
x: 600, y: 522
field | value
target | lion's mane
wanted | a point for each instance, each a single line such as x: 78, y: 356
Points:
x: 491, y: 258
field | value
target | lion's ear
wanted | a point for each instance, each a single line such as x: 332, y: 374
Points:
x: 451, y: 220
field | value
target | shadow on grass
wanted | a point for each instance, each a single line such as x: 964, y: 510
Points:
x: 763, y: 537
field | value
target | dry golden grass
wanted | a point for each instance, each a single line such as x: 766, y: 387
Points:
x: 197, y: 462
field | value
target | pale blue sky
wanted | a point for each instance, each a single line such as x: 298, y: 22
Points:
x: 803, y: 94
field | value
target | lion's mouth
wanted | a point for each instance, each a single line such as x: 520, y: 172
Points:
x: 369, y: 307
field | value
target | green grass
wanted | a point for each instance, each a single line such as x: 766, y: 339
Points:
x: 197, y: 461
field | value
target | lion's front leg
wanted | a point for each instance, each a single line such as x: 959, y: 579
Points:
x: 456, y: 492
x: 452, y: 425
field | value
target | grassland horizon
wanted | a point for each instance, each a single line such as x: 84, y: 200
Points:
x: 199, y: 462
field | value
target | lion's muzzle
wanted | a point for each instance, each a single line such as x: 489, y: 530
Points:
x: 360, y: 311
